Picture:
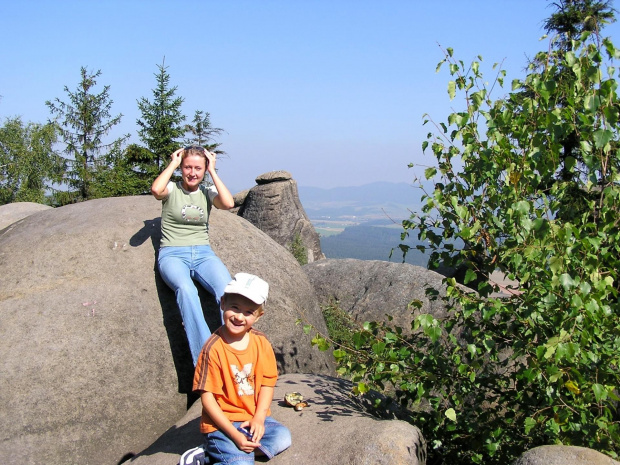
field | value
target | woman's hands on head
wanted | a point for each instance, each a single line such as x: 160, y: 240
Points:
x: 177, y: 157
x: 210, y: 161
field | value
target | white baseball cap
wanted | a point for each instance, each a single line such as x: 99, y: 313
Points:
x: 249, y: 286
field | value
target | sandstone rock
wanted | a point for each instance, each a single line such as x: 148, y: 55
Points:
x: 274, y: 207
x: 564, y: 455
x: 273, y: 176
x: 12, y: 212
x: 370, y: 289
x: 94, y: 358
x: 239, y: 198
x: 336, y: 429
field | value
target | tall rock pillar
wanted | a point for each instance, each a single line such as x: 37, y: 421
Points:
x: 274, y: 207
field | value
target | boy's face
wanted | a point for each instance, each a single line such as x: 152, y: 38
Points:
x: 240, y: 313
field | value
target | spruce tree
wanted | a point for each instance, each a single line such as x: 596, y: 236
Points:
x: 202, y: 133
x: 161, y: 129
x: 83, y: 123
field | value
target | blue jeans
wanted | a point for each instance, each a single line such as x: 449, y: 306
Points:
x: 222, y: 450
x: 179, y: 267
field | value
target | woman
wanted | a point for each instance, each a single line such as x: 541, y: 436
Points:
x: 185, y: 254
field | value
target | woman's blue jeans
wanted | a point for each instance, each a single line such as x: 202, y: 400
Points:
x: 222, y: 450
x: 179, y: 267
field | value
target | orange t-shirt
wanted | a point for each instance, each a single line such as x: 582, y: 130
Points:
x: 234, y: 376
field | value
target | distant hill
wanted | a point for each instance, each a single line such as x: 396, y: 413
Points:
x: 370, y: 201
x: 363, y: 222
x: 366, y: 242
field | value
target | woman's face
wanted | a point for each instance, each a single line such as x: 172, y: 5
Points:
x: 193, y: 171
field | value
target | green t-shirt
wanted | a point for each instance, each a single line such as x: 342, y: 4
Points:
x: 185, y: 216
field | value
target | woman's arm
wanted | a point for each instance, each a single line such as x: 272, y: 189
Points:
x: 159, y: 188
x: 224, y: 199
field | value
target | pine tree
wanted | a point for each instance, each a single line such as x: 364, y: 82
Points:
x: 202, y: 133
x: 161, y: 129
x: 83, y: 123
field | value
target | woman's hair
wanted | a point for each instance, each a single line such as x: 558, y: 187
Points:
x: 195, y: 150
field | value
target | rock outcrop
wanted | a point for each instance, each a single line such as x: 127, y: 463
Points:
x: 370, y: 289
x: 336, y: 429
x: 94, y: 358
x: 273, y: 206
x: 564, y: 455
x: 13, y: 212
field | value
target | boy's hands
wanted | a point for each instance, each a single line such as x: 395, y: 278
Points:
x: 255, y: 427
x: 245, y: 443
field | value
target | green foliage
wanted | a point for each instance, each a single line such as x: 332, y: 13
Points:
x: 502, y: 375
x: 298, y: 249
x: 28, y: 162
x: 83, y: 122
x: 161, y: 128
x: 340, y: 325
x: 202, y: 133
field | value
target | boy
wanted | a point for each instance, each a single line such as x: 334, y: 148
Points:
x: 235, y: 376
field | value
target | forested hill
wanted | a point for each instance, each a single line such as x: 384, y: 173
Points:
x: 363, y: 222
x: 368, y: 242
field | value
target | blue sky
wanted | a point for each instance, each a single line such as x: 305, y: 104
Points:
x: 331, y: 90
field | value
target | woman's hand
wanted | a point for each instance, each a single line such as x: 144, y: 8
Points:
x: 177, y: 157
x: 210, y: 161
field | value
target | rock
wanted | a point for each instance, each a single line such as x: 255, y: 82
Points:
x: 564, y: 455
x: 370, y: 289
x: 335, y: 429
x: 274, y: 207
x: 12, y: 212
x: 95, y: 361
x: 239, y: 198
x: 273, y: 176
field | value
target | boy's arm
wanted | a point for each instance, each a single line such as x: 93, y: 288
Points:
x: 257, y: 423
x: 223, y: 423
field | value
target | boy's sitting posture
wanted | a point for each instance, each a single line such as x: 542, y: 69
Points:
x: 235, y: 375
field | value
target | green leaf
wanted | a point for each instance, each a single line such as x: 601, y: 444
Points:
x: 451, y: 414
x: 529, y: 424
x: 470, y: 276
x: 600, y: 393
x: 429, y: 173
x: 566, y: 281
x: 452, y: 89
x: 602, y: 137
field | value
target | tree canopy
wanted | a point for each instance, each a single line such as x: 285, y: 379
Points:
x: 529, y: 183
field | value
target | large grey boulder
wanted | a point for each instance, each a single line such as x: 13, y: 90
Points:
x: 564, y: 455
x: 13, y: 212
x: 370, y: 289
x: 93, y: 355
x: 336, y: 429
x: 274, y: 207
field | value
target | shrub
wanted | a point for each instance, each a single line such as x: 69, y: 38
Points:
x: 530, y: 184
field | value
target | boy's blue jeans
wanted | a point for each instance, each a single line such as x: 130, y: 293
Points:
x: 179, y: 267
x: 222, y: 450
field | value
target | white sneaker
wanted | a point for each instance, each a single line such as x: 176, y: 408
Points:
x: 194, y: 456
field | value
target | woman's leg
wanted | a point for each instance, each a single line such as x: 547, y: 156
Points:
x: 211, y: 272
x: 175, y: 268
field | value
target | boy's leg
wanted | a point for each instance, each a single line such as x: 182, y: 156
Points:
x: 276, y: 439
x: 220, y: 449
x: 174, y: 267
